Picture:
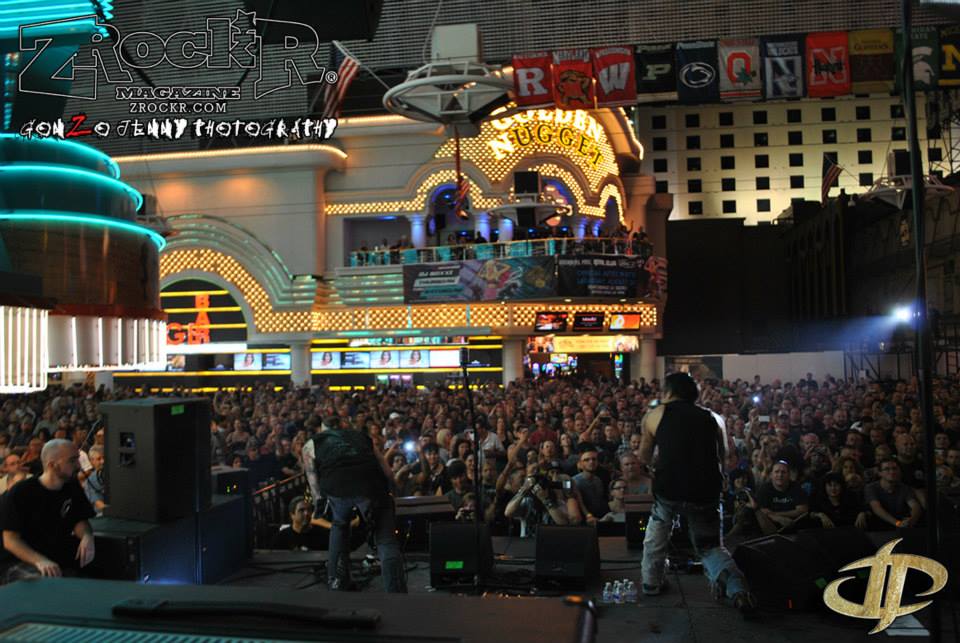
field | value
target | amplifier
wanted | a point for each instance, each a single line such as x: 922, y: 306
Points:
x: 145, y: 552
x: 414, y: 515
x: 637, y: 509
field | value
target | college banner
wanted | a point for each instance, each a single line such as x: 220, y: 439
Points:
x: 479, y: 280
x: 871, y: 61
x: 739, y: 69
x: 782, y: 67
x: 950, y: 56
x: 573, y: 79
x: 616, y: 78
x: 926, y: 58
x: 656, y: 77
x: 828, y: 64
x: 601, y: 276
x: 531, y: 80
x: 697, y: 78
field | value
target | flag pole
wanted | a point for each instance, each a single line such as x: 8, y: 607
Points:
x: 346, y: 52
x: 924, y: 371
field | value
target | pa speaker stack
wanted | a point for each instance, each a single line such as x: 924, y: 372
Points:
x: 162, y: 520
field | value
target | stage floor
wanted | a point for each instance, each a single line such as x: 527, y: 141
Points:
x: 686, y: 612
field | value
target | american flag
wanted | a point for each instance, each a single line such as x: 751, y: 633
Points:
x: 460, y: 202
x: 831, y: 172
x: 347, y: 68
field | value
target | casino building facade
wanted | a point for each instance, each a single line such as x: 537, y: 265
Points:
x: 279, y: 265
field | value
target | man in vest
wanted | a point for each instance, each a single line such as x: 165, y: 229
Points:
x: 351, y: 473
x: 687, y: 481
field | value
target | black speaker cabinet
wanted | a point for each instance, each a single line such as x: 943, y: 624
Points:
x: 783, y: 574
x: 226, y: 537
x: 526, y: 183
x: 145, y: 552
x: 526, y: 217
x: 414, y: 515
x: 569, y: 556
x: 637, y: 509
x: 157, y: 458
x: 454, y: 558
x: 331, y: 19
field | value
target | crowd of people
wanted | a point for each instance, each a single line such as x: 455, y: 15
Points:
x: 810, y: 453
x: 617, y: 240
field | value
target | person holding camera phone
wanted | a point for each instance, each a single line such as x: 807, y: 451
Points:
x: 688, y: 481
x: 544, y: 499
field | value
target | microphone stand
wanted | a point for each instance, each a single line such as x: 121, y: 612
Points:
x: 478, y: 484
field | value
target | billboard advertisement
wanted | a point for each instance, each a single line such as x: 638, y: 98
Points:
x: 480, y: 280
x: 601, y: 276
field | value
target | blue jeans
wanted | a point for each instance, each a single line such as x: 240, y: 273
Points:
x: 704, y: 521
x: 379, y: 514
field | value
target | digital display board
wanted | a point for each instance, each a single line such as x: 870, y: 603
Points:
x: 550, y: 322
x: 588, y: 321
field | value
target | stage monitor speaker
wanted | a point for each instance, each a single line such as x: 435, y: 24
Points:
x: 454, y: 558
x: 783, y: 574
x: 526, y: 217
x: 526, y: 183
x: 157, y: 458
x: 569, y: 556
x: 637, y: 509
x: 145, y: 552
x: 414, y: 515
x: 331, y: 19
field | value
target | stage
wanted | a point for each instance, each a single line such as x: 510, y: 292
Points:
x: 282, y: 596
x: 686, y: 612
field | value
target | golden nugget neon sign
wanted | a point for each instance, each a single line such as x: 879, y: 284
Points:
x: 575, y: 130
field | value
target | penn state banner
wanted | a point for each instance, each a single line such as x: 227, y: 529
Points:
x: 616, y: 78
x: 871, y: 61
x: 697, y: 78
x: 782, y: 66
x: 950, y: 56
x: 531, y: 80
x: 656, y: 76
x: 572, y: 75
x: 828, y: 64
x: 926, y: 58
x: 739, y: 69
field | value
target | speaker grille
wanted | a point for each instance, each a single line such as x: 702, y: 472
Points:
x: 49, y: 633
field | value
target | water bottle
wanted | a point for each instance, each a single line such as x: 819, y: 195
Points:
x: 607, y: 596
x: 617, y: 593
x: 631, y: 592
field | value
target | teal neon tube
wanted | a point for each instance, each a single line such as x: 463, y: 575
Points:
x: 86, y: 150
x: 50, y: 168
x: 83, y: 219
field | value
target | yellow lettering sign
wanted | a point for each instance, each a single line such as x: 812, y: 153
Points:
x: 951, y: 56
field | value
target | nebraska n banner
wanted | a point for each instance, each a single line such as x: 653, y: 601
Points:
x: 739, y: 68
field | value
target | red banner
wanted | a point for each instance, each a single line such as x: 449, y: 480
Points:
x: 573, y: 79
x: 828, y: 64
x: 531, y: 80
x: 614, y: 69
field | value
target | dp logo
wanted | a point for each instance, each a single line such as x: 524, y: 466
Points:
x: 898, y: 564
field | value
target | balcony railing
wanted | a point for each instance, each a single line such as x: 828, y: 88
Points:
x: 527, y: 248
